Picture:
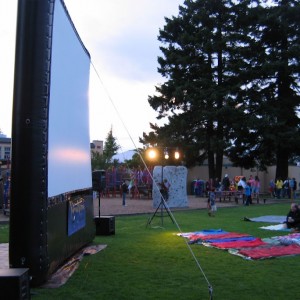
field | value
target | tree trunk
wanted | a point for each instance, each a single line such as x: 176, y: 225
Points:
x: 282, y: 164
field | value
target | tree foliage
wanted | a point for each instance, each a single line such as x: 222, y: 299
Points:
x: 232, y: 83
x: 104, y: 161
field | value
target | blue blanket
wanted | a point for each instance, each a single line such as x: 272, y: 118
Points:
x: 268, y: 219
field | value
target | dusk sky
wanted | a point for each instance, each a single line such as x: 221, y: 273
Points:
x: 121, y: 37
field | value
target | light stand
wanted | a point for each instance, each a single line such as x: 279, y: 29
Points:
x: 152, y: 153
x: 162, y: 205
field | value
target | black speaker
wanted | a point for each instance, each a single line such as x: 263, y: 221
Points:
x: 98, y: 180
x: 14, y: 284
x: 105, y: 225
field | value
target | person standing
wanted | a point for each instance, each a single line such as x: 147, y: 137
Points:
x: 279, y: 186
x: 165, y: 186
x: 226, y: 183
x: 242, y: 184
x: 124, y: 188
x: 248, y: 194
x: 272, y: 188
x: 292, y: 187
x: 256, y: 189
x: 211, y: 203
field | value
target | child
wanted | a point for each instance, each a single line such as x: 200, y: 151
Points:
x: 248, y: 195
x: 211, y: 204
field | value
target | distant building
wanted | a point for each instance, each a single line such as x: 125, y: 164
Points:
x: 5, y: 149
x: 97, y: 147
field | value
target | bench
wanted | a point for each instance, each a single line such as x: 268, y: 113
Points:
x: 228, y: 195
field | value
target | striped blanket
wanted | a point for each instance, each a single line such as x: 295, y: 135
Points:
x: 245, y: 245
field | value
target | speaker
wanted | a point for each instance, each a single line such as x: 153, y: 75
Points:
x: 105, y: 225
x: 14, y: 284
x: 98, y: 180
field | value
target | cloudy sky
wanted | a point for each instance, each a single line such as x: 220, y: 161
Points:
x: 121, y: 37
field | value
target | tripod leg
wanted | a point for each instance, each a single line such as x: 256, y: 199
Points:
x: 161, y: 205
x: 152, y: 217
x: 168, y: 211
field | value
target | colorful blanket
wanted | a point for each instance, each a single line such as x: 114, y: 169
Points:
x: 245, y: 245
x: 269, y: 252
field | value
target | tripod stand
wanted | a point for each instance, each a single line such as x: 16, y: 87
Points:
x: 161, y: 206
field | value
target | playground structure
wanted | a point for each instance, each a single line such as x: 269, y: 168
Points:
x: 139, y: 182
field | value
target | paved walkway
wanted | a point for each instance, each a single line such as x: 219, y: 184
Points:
x: 113, y: 206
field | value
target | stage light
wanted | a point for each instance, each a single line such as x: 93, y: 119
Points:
x: 176, y: 154
x: 152, y: 153
x: 166, y: 154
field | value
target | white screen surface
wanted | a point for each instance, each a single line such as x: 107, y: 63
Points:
x: 69, y: 162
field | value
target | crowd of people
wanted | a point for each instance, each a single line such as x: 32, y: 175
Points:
x: 283, y: 188
x: 278, y: 188
x: 250, y: 187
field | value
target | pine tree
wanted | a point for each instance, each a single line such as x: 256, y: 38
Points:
x: 110, y: 147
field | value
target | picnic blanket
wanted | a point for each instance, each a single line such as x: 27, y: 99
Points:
x: 247, y: 246
x: 267, y: 219
x: 268, y: 252
x: 279, y: 227
x: 200, y: 237
x: 289, y: 239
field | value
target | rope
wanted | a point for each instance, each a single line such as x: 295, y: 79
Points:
x: 210, y: 288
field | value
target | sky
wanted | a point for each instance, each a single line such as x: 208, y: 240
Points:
x: 121, y: 37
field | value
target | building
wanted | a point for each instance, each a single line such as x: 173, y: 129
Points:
x: 5, y: 150
x: 97, y: 147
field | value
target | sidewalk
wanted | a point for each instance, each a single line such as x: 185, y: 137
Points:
x: 113, y: 206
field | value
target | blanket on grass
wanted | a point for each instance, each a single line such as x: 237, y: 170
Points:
x: 267, y: 219
x: 289, y: 239
x: 200, y: 237
x: 61, y: 276
x: 247, y: 246
x: 277, y: 227
x: 267, y: 252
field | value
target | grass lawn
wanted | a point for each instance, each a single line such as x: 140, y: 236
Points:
x: 154, y: 263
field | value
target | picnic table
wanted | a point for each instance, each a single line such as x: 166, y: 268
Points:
x: 228, y: 195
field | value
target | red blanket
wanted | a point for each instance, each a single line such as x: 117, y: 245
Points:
x: 280, y: 250
x: 196, y: 237
x: 239, y: 244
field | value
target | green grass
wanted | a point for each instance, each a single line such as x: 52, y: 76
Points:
x: 154, y: 263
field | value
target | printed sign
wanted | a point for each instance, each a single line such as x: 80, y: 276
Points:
x: 76, y: 215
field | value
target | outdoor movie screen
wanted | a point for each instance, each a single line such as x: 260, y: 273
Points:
x: 69, y: 163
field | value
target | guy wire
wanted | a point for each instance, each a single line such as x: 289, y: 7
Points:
x: 156, y: 186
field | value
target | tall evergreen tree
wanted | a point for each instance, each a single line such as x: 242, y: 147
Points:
x: 111, y: 147
x: 270, y: 97
x: 198, y: 95
x: 232, y: 83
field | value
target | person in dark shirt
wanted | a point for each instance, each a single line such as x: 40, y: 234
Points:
x: 293, y: 217
x: 124, y: 188
x: 226, y: 183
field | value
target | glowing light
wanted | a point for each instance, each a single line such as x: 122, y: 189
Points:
x: 166, y: 154
x: 152, y: 154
